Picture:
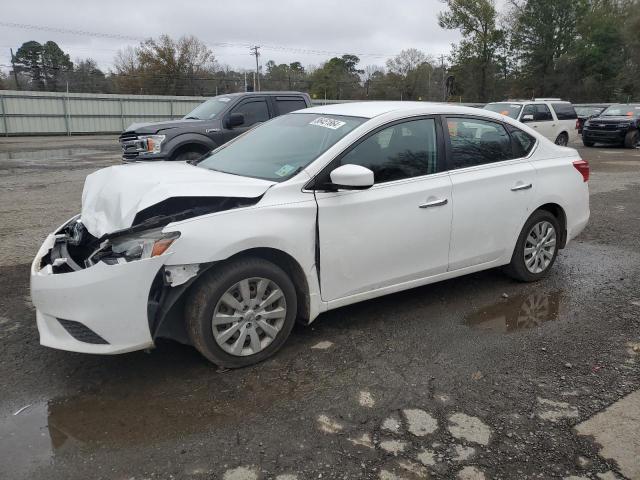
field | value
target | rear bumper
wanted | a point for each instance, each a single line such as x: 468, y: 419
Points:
x: 100, y: 309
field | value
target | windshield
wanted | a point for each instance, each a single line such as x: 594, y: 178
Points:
x: 509, y: 109
x: 279, y: 149
x: 209, y: 109
x: 621, y: 111
x: 588, y: 111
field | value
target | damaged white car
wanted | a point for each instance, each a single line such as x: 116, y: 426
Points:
x: 308, y: 212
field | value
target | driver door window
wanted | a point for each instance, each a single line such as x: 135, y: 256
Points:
x: 404, y: 150
x: 254, y: 111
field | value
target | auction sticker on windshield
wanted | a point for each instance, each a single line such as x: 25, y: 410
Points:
x: 285, y: 170
x: 325, y: 122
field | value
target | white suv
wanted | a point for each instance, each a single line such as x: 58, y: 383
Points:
x: 551, y: 117
x: 308, y: 212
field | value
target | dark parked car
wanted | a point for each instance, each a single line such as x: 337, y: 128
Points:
x: 584, y: 114
x: 616, y: 125
x: 208, y: 126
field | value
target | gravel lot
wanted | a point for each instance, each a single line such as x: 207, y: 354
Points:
x: 477, y: 377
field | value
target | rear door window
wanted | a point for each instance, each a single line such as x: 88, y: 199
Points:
x: 564, y: 111
x: 289, y: 104
x: 477, y: 142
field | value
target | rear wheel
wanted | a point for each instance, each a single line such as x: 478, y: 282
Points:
x: 632, y: 139
x: 536, y: 249
x: 241, y: 313
x: 562, y: 139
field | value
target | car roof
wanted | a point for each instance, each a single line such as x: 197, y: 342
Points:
x: 537, y: 100
x: 373, y: 109
x: 239, y: 94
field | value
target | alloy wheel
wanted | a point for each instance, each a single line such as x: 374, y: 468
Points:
x: 540, y: 247
x: 249, y: 316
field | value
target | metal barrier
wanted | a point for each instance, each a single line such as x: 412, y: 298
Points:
x: 58, y: 113
x: 54, y: 113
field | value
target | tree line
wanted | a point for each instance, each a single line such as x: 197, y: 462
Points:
x: 582, y: 50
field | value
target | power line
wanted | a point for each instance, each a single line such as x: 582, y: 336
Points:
x: 117, y: 36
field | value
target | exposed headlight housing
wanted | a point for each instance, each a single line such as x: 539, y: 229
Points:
x: 137, y: 246
x: 150, y: 143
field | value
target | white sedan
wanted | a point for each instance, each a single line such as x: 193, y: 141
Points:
x: 308, y: 212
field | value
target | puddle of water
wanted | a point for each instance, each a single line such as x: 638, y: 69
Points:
x: 519, y: 312
x: 124, y: 418
x: 25, y: 444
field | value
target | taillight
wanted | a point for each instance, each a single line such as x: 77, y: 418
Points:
x: 583, y: 167
x: 578, y: 124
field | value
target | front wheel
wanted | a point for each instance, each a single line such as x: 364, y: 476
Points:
x: 187, y: 155
x: 241, y: 312
x: 587, y: 143
x: 536, y: 249
x: 632, y: 139
x: 562, y: 139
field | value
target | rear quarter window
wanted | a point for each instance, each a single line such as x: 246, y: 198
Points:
x: 564, y: 111
x: 523, y: 143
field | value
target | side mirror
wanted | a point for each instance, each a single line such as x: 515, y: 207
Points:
x: 527, y: 118
x: 352, y: 177
x: 235, y: 120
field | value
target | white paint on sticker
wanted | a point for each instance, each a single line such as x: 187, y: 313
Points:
x: 326, y: 122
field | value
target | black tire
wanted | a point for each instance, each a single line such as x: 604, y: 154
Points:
x: 187, y: 155
x: 517, y: 269
x: 562, y: 139
x: 206, y: 294
x: 587, y: 143
x: 631, y: 139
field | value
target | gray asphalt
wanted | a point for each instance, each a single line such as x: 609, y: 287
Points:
x: 479, y: 376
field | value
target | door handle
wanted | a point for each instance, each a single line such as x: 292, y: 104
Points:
x: 525, y: 186
x: 434, y: 203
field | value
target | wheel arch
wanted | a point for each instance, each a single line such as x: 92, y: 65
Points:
x: 557, y: 211
x: 189, y: 142
x: 166, y: 303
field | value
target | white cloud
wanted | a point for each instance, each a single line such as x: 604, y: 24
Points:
x: 354, y: 26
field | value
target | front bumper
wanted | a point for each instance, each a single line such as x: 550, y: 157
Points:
x: 604, y: 135
x: 99, y: 309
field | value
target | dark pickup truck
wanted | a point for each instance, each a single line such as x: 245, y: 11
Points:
x: 616, y: 125
x: 208, y: 126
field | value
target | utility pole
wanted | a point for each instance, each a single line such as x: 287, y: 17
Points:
x: 13, y: 65
x: 255, y: 52
x: 444, y: 83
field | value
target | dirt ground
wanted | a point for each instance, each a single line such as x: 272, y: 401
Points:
x: 477, y: 377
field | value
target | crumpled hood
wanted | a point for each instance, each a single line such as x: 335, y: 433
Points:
x: 113, y: 196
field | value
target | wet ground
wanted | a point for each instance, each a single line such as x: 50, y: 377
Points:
x: 477, y: 377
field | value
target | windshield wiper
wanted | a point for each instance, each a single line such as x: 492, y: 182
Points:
x: 192, y: 118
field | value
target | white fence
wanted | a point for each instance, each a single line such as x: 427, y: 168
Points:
x: 54, y: 113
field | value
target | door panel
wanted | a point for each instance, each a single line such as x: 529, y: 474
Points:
x: 490, y: 204
x: 382, y: 236
x: 491, y: 191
